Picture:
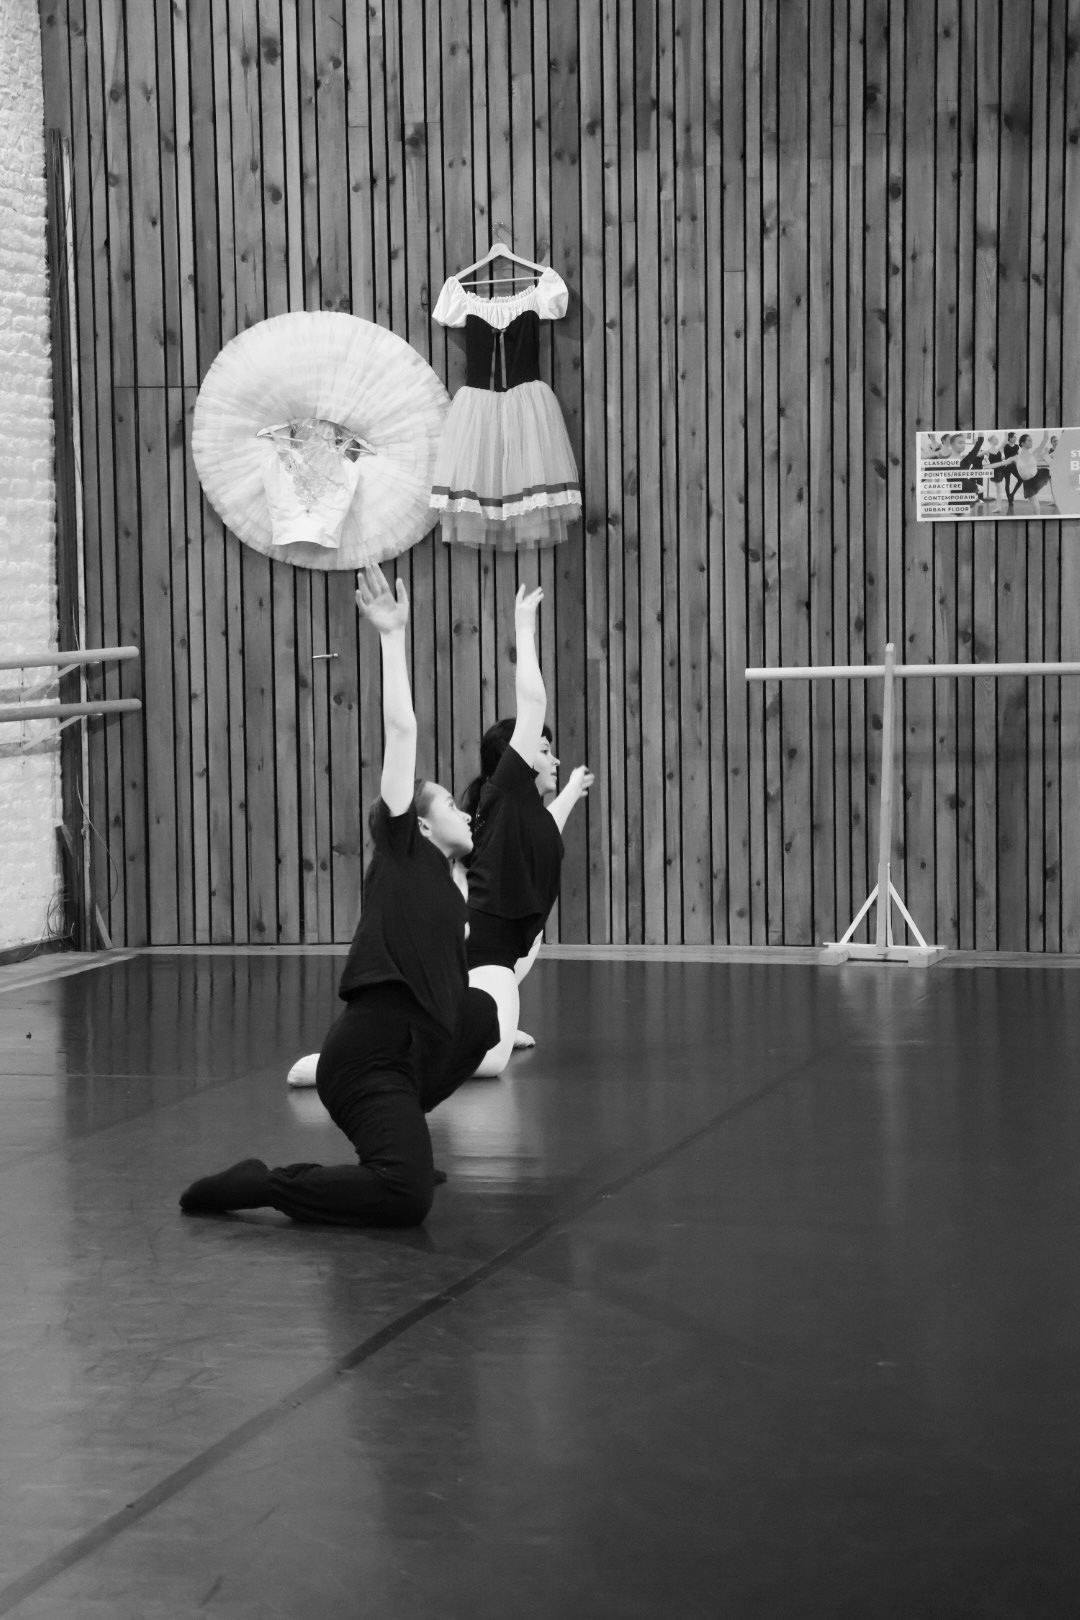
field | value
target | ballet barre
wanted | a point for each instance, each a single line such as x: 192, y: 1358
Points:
x: 64, y: 661
x: 884, y: 895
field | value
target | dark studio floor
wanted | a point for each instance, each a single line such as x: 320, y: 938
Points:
x: 752, y: 1293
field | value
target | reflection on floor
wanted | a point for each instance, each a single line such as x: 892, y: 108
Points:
x: 752, y: 1292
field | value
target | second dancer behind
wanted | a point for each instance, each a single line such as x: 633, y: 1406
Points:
x: 517, y: 854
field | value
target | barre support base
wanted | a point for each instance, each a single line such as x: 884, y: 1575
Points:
x: 884, y: 948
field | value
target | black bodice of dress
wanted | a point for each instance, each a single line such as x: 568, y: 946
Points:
x: 501, y: 359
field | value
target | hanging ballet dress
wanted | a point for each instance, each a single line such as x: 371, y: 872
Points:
x: 505, y: 474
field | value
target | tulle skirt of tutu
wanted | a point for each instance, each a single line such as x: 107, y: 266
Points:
x: 505, y: 474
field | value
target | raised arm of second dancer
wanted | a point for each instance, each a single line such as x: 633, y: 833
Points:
x: 529, y: 691
x: 388, y: 611
x: 531, y: 697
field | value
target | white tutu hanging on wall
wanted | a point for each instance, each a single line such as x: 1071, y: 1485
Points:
x: 315, y: 436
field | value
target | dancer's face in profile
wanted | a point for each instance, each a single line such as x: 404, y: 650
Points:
x: 546, y: 767
x: 958, y: 444
x: 445, y: 823
x: 1026, y: 441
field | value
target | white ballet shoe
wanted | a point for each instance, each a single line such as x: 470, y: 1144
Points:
x: 302, y: 1072
x: 523, y: 1041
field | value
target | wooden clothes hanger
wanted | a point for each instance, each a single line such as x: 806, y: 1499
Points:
x: 499, y: 250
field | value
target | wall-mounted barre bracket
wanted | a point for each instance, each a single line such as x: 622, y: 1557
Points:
x: 66, y: 711
x: 64, y: 661
x: 69, y: 657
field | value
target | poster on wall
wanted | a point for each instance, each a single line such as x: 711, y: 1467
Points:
x: 990, y: 474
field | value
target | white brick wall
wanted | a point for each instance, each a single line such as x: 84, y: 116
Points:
x: 29, y: 753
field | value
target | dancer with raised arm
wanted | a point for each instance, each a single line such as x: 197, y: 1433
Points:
x: 518, y: 849
x: 412, y: 1029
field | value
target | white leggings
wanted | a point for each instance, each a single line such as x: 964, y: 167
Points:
x: 502, y: 985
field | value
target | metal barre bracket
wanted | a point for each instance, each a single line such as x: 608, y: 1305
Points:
x: 65, y: 660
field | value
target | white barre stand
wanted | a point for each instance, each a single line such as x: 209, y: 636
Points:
x: 884, y: 892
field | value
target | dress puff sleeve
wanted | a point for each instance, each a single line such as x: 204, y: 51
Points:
x: 450, y: 309
x: 551, y: 296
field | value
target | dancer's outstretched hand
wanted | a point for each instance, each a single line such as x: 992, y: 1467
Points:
x: 381, y: 606
x: 581, y: 780
x: 526, y: 603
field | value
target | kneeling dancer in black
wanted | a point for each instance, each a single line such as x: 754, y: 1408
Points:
x: 412, y: 1029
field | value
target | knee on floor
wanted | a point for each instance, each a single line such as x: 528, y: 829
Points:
x: 410, y: 1208
x: 408, y: 1198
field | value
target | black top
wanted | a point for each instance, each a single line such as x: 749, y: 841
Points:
x: 412, y: 921
x: 995, y: 457
x: 501, y: 359
x: 514, y: 871
x: 972, y: 486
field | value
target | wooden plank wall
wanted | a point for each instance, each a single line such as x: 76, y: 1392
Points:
x: 795, y: 232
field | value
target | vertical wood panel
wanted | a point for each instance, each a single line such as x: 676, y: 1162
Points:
x: 943, y: 549
x: 1070, y: 531
x: 861, y: 647
x: 567, y: 673
x: 626, y: 240
x: 761, y: 703
x: 671, y: 541
x: 1057, y: 122
x: 648, y: 381
x: 88, y: 190
x: 793, y: 408
x: 873, y: 383
x: 116, y: 446
x: 728, y: 531
x: 819, y: 488
x: 988, y: 250
x: 152, y: 534
x: 914, y: 263
x: 794, y: 235
x: 1012, y: 583
x: 595, y: 827
x: 845, y: 835
x: 1034, y: 362
x: 770, y: 428
x: 964, y: 412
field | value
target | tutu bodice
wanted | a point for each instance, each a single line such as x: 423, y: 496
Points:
x: 502, y: 357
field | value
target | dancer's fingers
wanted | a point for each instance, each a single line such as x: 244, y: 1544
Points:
x: 371, y: 583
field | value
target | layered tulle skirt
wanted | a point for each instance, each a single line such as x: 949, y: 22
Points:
x: 505, y: 474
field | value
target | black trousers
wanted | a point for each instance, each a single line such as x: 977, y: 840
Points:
x: 384, y: 1065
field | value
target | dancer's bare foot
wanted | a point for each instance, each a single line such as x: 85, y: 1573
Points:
x: 302, y: 1072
